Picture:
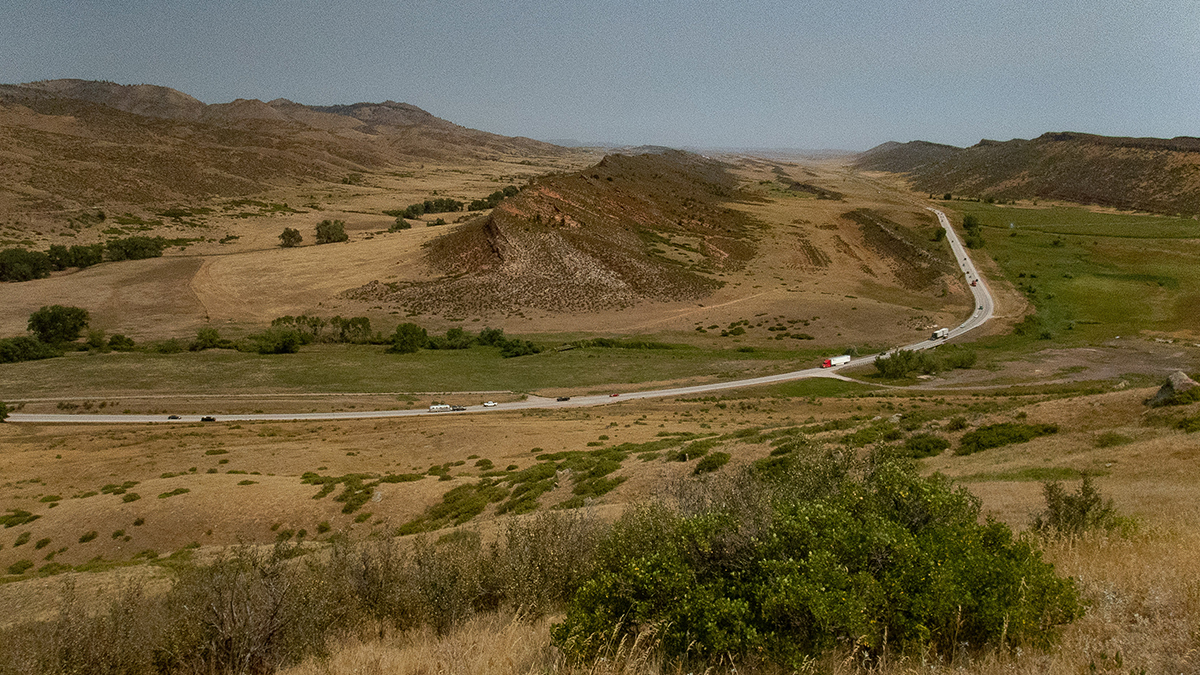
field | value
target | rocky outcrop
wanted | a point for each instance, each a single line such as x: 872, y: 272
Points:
x: 1178, y: 390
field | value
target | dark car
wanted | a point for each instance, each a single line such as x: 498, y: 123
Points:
x: 458, y: 408
x: 564, y: 398
x: 172, y: 417
x: 208, y: 418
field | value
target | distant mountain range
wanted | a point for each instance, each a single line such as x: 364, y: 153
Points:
x: 1144, y: 174
x: 75, y: 143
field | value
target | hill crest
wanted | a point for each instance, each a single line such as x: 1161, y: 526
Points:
x: 1146, y: 174
x: 73, y: 144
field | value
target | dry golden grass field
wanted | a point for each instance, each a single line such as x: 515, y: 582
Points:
x: 244, y: 484
x: 810, y: 258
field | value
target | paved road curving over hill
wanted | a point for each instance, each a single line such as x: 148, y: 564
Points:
x: 983, y: 303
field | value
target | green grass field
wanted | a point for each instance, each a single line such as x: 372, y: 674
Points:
x: 1093, y: 276
x: 349, y: 368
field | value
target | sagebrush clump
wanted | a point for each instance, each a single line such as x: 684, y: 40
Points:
x: 838, y: 554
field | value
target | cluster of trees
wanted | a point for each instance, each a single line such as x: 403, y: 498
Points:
x: 53, y: 327
x: 352, y: 330
x: 493, y: 199
x: 135, y: 248
x: 974, y: 230
x: 903, y: 362
x: 410, y: 338
x: 439, y: 205
x: 19, y: 264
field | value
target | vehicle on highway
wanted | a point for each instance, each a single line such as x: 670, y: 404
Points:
x: 458, y: 408
x: 439, y: 407
x: 836, y: 361
x: 172, y: 417
x: 563, y: 398
x: 941, y: 333
x: 614, y: 394
x: 208, y: 418
x: 490, y: 404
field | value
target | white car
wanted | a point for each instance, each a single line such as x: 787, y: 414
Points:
x: 490, y: 404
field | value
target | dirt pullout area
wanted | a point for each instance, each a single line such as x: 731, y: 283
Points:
x: 1136, y: 360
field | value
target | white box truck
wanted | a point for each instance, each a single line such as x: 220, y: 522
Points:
x: 439, y: 407
x: 941, y: 333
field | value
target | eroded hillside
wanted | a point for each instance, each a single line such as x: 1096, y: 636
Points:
x: 647, y: 227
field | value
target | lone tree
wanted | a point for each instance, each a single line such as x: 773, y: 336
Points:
x: 408, y: 338
x: 290, y: 237
x: 56, y: 324
x: 330, y: 231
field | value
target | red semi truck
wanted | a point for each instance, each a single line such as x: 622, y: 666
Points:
x: 836, y: 361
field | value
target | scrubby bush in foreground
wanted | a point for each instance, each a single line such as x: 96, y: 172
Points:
x: 834, y: 556
x: 1074, y: 514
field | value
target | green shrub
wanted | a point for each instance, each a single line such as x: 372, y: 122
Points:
x: 135, y: 248
x: 290, y: 237
x: 22, y: 539
x: 1073, y: 514
x: 998, y: 435
x: 17, y: 349
x: 1111, y: 439
x: 331, y: 231
x: 88, y: 536
x: 903, y: 362
x: 275, y: 340
x: 172, y: 493
x: 20, y: 567
x: 42, y: 543
x: 711, y: 462
x: 16, y: 517
x: 924, y: 445
x: 120, y: 343
x: 829, y: 557
x: 1189, y: 424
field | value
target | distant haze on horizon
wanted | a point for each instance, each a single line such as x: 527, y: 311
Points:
x: 704, y: 74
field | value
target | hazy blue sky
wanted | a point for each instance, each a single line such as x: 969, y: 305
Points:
x: 703, y: 73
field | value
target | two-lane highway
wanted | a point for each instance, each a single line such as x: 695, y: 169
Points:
x: 982, y: 313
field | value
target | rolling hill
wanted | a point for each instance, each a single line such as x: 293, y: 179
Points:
x: 70, y: 144
x: 1144, y: 174
x: 631, y: 228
